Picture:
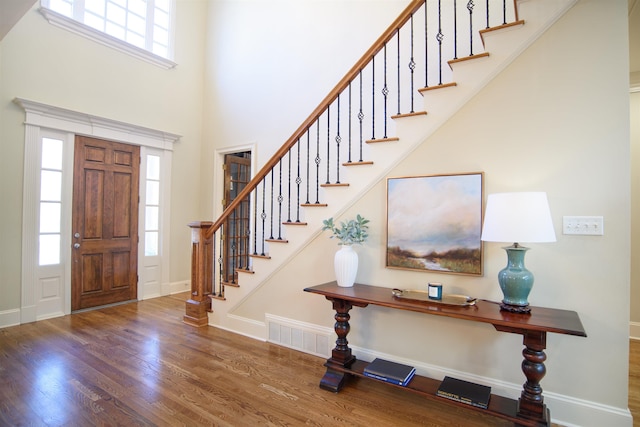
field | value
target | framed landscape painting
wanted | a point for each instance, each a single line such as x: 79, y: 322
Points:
x: 434, y: 223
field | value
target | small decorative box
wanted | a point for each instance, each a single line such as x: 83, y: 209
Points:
x: 435, y: 291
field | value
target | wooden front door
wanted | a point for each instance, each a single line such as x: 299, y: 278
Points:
x: 104, y: 223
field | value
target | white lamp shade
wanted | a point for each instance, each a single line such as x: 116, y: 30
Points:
x: 518, y: 217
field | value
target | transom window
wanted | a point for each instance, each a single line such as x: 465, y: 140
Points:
x: 145, y: 24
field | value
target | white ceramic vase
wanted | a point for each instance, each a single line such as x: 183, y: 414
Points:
x: 346, y: 266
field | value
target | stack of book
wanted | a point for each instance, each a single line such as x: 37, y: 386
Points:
x: 465, y: 392
x: 391, y: 372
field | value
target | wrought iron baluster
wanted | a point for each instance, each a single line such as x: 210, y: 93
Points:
x: 271, y: 205
x: 289, y: 187
x: 426, y: 46
x: 412, y: 67
x: 470, y: 6
x: 385, y: 92
x: 373, y: 98
x: 221, y: 263
x: 398, y: 71
x: 487, y: 13
x: 308, y: 164
x: 504, y: 12
x: 255, y: 222
x: 263, y: 215
x: 318, y: 160
x: 298, y: 182
x: 361, y: 117
x: 213, y: 265
x: 338, y: 140
x: 439, y: 37
x: 245, y: 241
x: 280, y: 199
x: 350, y: 119
x: 455, y: 30
x: 233, y: 231
x: 328, y: 143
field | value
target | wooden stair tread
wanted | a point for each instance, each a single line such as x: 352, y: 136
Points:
x: 440, y: 86
x: 468, y: 58
x: 276, y: 240
x: 266, y: 256
x: 245, y: 271
x: 358, y: 163
x: 294, y: 223
x: 388, y: 139
x: 500, y: 27
x: 230, y: 284
x: 337, y: 184
x: 413, y: 114
x: 314, y: 205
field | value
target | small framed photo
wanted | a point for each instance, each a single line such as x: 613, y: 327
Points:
x: 434, y: 223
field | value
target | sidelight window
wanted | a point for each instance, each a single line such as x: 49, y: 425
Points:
x: 152, y: 207
x: 50, y: 212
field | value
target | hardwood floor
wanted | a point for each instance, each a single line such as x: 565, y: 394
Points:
x: 139, y: 365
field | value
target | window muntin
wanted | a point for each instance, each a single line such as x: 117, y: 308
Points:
x: 146, y: 24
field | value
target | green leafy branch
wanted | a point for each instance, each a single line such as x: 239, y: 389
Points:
x: 350, y: 232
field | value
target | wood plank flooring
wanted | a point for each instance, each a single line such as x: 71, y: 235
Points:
x: 139, y: 365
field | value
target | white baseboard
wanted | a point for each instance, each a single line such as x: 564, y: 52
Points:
x: 634, y: 330
x: 243, y: 326
x: 176, y: 287
x: 9, y: 318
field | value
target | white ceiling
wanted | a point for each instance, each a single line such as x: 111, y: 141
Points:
x: 12, y: 10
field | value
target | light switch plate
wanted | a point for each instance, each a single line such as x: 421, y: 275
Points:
x: 583, y: 225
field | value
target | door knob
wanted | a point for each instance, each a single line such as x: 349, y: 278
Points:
x: 76, y: 235
x: 76, y: 245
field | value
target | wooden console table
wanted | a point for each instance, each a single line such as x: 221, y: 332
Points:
x: 528, y: 410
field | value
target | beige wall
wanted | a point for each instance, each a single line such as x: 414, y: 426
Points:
x: 43, y: 63
x: 555, y: 120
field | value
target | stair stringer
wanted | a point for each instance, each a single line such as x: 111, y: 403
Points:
x: 471, y: 76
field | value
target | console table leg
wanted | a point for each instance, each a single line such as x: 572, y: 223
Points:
x: 531, y: 403
x: 341, y: 356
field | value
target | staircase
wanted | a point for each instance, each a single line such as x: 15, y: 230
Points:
x: 384, y: 108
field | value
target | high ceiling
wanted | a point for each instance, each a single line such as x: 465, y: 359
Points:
x: 12, y: 10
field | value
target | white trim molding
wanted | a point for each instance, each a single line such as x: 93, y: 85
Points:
x: 52, y: 117
x: 44, y: 119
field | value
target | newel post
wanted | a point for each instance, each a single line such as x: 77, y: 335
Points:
x: 199, y: 303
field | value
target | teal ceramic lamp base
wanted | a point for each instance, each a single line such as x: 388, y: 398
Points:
x: 515, y: 281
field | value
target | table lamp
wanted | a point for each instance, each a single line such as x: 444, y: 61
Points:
x: 517, y: 217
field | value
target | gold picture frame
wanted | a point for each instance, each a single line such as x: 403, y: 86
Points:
x: 434, y: 223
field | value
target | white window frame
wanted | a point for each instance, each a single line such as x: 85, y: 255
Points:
x: 46, y: 120
x: 77, y: 27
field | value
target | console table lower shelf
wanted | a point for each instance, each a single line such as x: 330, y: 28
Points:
x: 528, y: 410
x: 499, y: 406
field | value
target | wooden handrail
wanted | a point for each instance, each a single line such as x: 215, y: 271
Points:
x: 377, y: 46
